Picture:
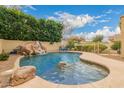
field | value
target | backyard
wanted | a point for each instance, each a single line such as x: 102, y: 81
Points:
x: 46, y: 52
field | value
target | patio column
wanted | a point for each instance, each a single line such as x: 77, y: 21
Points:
x: 122, y: 35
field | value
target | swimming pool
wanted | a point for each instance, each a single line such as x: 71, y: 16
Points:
x: 78, y: 72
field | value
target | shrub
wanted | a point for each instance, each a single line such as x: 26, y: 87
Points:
x: 90, y: 48
x: 102, y: 47
x: 116, y: 45
x: 16, y: 25
x: 4, y: 57
x: 72, y: 41
x: 71, y: 44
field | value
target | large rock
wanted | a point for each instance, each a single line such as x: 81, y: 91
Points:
x: 62, y: 65
x: 38, y: 48
x: 35, y: 47
x: 22, y: 75
x: 5, y: 78
x: 22, y: 50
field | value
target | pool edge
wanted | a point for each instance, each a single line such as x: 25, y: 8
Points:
x: 109, y: 81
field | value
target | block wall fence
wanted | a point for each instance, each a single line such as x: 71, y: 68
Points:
x: 9, y: 45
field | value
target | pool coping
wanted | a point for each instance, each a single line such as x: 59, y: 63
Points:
x: 114, y: 79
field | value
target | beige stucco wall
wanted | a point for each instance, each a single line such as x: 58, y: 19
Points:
x: 9, y: 45
x: 51, y: 47
x: 122, y: 35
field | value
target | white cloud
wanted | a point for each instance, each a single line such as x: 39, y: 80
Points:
x: 105, y: 31
x: 100, y: 16
x: 109, y: 11
x: 31, y: 7
x: 104, y: 20
x: 96, y: 22
x: 117, y: 30
x: 52, y: 17
x: 71, y: 21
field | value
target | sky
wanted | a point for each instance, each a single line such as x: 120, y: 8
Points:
x: 81, y: 20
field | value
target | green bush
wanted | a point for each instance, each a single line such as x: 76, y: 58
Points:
x: 71, y: 44
x: 16, y: 25
x: 90, y: 48
x: 4, y: 57
x: 102, y: 47
x: 116, y: 45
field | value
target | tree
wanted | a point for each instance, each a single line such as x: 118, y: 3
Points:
x: 16, y: 25
x: 98, y: 38
x: 51, y: 29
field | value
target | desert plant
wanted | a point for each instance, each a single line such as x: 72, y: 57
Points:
x: 71, y: 44
x: 90, y: 47
x: 4, y: 57
x: 116, y: 45
x: 102, y: 47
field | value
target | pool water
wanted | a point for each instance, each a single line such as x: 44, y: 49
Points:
x: 78, y: 72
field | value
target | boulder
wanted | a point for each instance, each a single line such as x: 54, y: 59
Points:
x: 62, y: 65
x: 33, y: 48
x: 22, y: 50
x: 22, y: 75
x: 5, y: 78
x: 38, y: 48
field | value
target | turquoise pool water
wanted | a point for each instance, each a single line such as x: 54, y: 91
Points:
x: 78, y: 72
